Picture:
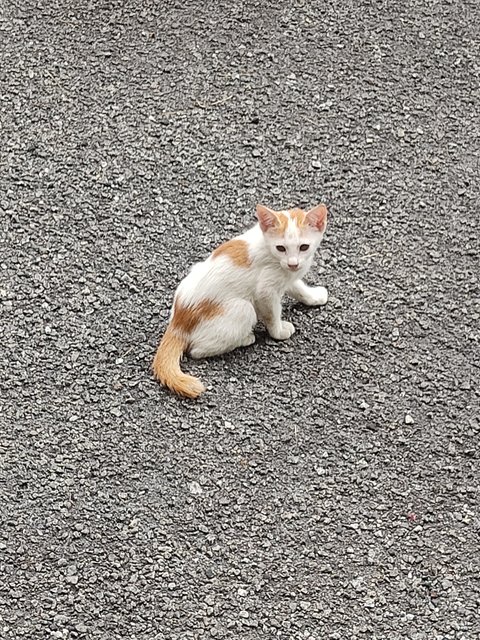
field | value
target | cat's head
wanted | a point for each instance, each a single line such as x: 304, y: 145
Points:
x: 292, y: 235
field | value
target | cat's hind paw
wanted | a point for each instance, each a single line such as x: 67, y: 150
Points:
x: 250, y: 339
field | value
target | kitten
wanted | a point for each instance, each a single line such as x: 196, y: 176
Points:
x: 217, y: 305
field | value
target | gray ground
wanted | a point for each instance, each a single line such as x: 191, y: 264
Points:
x: 326, y: 488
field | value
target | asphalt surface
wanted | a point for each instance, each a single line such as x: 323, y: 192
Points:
x: 325, y: 488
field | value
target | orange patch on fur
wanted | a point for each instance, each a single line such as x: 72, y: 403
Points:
x: 282, y: 222
x: 186, y: 319
x: 295, y: 215
x: 236, y: 250
x: 298, y: 216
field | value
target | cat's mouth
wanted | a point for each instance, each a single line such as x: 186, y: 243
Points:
x: 294, y: 267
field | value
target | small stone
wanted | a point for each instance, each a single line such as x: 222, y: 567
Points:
x: 195, y: 489
x: 242, y: 592
x: 408, y: 419
x: 60, y: 619
x: 243, y: 614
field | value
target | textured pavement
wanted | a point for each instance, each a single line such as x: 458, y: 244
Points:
x: 324, y: 488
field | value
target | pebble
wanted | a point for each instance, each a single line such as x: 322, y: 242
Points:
x: 194, y: 488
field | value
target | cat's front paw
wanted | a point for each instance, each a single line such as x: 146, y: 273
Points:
x: 317, y: 296
x: 285, y: 331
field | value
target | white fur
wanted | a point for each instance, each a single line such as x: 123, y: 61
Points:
x: 248, y: 294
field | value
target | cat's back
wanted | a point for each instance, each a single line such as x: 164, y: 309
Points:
x: 226, y: 272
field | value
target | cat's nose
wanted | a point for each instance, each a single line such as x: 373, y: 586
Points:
x: 293, y: 264
x: 293, y: 267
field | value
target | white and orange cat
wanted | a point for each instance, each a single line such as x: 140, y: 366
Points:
x: 218, y: 304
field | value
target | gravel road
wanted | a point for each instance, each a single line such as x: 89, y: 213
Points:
x: 326, y: 488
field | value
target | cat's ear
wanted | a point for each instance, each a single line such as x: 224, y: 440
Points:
x: 317, y: 217
x: 266, y: 217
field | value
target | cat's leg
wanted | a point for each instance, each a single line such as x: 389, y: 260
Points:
x: 312, y: 296
x: 232, y: 329
x: 269, y: 307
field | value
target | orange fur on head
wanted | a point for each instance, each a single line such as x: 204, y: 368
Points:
x: 277, y: 221
x: 298, y: 216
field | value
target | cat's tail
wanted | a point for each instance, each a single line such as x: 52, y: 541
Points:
x: 166, y: 366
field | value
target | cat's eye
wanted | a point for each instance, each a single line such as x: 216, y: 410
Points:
x: 280, y: 247
x: 304, y: 247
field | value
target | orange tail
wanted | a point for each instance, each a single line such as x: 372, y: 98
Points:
x: 166, y: 367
